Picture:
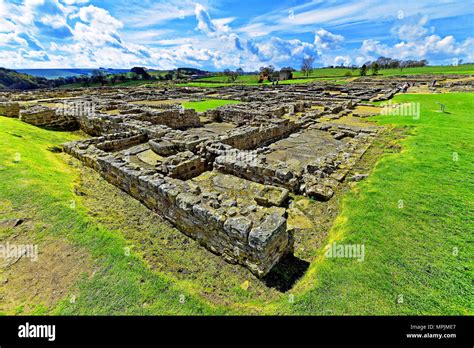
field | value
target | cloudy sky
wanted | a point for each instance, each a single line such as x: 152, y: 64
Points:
x: 218, y: 34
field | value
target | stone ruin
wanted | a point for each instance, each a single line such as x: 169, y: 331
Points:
x: 223, y: 177
x: 10, y: 109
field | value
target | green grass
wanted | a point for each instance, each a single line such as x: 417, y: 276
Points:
x: 244, y: 79
x: 340, y: 72
x: 118, y: 84
x: 204, y: 105
x: 338, y: 75
x: 40, y: 186
x: 409, y: 252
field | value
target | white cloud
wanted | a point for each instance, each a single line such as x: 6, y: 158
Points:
x: 325, y: 40
x: 75, y: 2
x: 411, y: 31
x: 54, y: 21
x: 156, y: 12
x: 429, y: 46
x: 342, y: 60
x: 97, y: 28
x: 91, y: 35
x: 204, y: 20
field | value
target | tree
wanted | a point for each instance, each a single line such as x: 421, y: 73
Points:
x: 363, y: 70
x: 266, y: 71
x: 240, y: 71
x: 307, y: 65
x: 113, y: 79
x: 99, y: 77
x: 375, y: 68
x: 85, y: 80
x: 141, y: 72
x: 231, y: 75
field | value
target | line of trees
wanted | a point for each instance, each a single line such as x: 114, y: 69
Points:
x: 389, y: 63
x: 102, y: 78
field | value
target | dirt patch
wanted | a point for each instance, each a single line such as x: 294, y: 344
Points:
x: 36, y: 274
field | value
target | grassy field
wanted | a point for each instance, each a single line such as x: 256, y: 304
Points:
x: 341, y: 72
x: 418, y: 255
x: 338, y: 75
x: 252, y: 80
x: 38, y: 185
x: 205, y: 105
x: 415, y: 217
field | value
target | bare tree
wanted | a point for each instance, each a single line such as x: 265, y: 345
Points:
x: 307, y: 65
x: 231, y: 75
x: 266, y: 70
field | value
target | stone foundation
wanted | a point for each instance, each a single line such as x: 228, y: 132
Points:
x: 9, y: 109
x: 43, y: 116
x: 256, y: 240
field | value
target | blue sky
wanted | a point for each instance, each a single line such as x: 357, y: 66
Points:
x: 219, y: 34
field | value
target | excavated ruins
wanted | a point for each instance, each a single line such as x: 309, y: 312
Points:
x: 223, y: 177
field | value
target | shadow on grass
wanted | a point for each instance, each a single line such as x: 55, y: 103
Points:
x: 285, y: 274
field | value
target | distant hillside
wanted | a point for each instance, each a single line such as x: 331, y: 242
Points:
x: 192, y: 71
x: 64, y: 73
x: 10, y: 79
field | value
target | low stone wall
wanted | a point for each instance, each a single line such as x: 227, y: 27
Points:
x: 258, y: 172
x: 318, y: 179
x: 115, y: 142
x: 173, y: 118
x: 246, y: 138
x: 184, y: 165
x: 99, y: 124
x: 10, y: 109
x: 257, y: 243
x: 43, y: 116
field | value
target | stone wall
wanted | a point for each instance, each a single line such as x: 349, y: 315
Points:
x: 258, y: 171
x: 146, y: 121
x: 257, y: 243
x: 183, y: 165
x: 9, y: 109
x: 250, y: 137
x: 173, y: 118
x: 43, y: 116
x: 317, y: 179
